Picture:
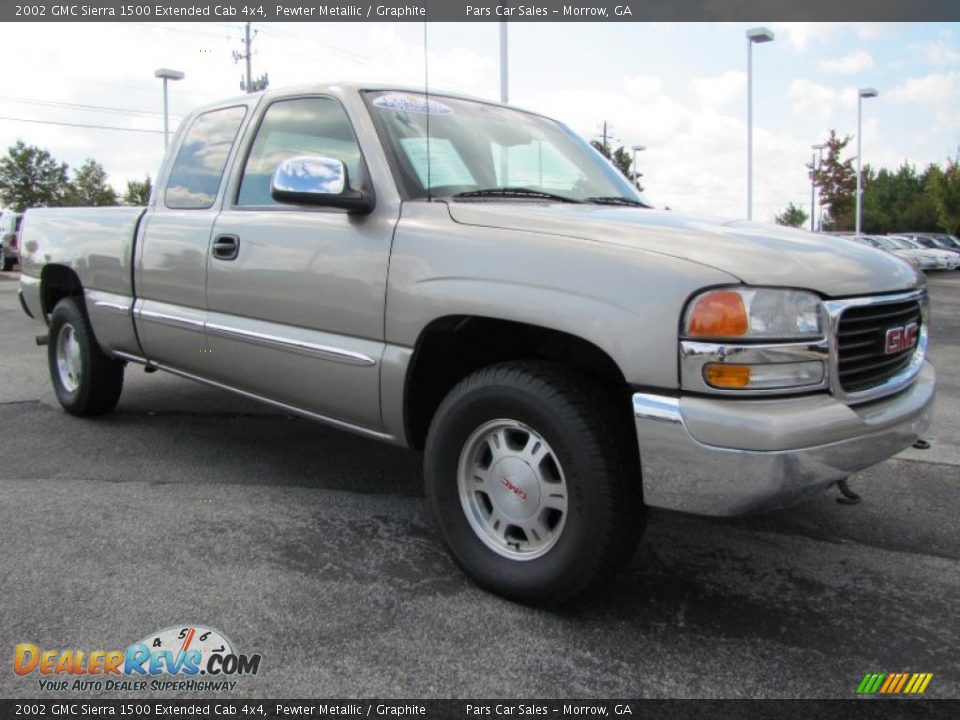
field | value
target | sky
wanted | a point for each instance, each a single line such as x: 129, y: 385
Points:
x: 678, y: 88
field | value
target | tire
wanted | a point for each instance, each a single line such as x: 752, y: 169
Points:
x: 542, y: 450
x: 6, y: 263
x: 86, y: 381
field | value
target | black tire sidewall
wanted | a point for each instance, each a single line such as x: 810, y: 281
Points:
x: 68, y: 312
x: 549, y: 575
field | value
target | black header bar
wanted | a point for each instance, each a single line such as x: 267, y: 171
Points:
x: 482, y: 10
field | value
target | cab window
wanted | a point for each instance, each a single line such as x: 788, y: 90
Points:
x: 302, y: 126
x: 197, y: 171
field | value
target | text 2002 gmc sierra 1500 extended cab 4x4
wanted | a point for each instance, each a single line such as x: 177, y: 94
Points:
x: 476, y: 281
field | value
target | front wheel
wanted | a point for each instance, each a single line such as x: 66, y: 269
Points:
x: 533, y: 482
x: 85, y: 379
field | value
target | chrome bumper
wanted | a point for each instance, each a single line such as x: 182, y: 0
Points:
x: 731, y: 457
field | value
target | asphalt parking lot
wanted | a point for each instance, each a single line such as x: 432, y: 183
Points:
x: 313, y: 548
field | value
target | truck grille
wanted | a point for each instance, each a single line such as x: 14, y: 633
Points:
x: 863, y: 362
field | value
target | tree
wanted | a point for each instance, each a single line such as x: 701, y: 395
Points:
x: 945, y: 192
x: 89, y: 186
x: 622, y: 161
x: 793, y: 216
x: 138, y: 193
x: 837, y: 181
x: 31, y: 177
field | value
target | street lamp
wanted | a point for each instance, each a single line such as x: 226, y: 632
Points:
x: 167, y: 74
x: 636, y: 149
x: 754, y: 35
x: 863, y: 93
x: 813, y: 185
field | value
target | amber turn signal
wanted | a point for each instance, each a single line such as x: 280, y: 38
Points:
x: 719, y: 314
x: 722, y: 375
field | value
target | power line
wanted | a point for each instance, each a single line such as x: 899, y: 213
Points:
x: 80, y: 106
x: 80, y: 125
x: 157, y: 26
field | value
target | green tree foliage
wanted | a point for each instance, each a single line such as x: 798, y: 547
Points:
x: 89, y: 186
x: 899, y: 200
x: 622, y: 160
x: 837, y: 183
x: 31, y: 177
x: 792, y: 216
x: 945, y: 189
x: 138, y: 193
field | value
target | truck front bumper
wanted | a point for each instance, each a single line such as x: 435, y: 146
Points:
x: 730, y: 457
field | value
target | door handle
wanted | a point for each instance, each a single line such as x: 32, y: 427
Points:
x: 226, y: 247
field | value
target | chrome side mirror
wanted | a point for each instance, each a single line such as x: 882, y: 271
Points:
x: 317, y: 180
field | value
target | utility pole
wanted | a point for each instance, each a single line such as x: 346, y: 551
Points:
x: 249, y: 85
x: 504, y: 65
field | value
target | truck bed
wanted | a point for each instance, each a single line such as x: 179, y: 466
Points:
x: 97, y: 245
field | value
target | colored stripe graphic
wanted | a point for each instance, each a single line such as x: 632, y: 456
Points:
x: 894, y: 683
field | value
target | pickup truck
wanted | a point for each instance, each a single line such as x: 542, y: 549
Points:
x: 475, y: 281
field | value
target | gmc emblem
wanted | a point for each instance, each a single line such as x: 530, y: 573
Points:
x: 899, y: 339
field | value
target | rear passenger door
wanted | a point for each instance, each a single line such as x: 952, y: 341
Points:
x: 296, y: 315
x: 171, y: 278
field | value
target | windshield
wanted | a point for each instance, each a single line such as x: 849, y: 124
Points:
x: 475, y: 146
x: 901, y: 243
x: 885, y: 243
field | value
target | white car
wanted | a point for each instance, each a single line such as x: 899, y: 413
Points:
x: 918, y: 259
x: 944, y: 259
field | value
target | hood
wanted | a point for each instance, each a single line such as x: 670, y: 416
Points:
x: 755, y: 253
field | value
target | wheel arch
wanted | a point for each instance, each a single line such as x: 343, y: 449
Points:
x: 56, y: 283
x: 452, y: 347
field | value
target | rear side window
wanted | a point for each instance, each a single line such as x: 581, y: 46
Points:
x: 303, y: 126
x: 197, y: 171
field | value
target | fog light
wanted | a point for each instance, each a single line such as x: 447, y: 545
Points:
x: 763, y: 377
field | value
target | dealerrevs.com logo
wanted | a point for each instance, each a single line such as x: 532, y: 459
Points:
x: 187, y: 658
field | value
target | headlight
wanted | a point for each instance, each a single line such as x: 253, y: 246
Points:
x: 754, y: 341
x: 753, y: 313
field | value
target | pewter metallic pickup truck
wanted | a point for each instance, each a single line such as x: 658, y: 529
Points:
x: 477, y: 282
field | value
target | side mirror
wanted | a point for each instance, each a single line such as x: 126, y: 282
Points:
x: 316, y: 180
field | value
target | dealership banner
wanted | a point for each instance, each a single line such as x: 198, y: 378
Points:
x: 481, y: 10
x: 467, y: 709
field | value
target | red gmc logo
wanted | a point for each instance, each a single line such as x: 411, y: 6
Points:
x: 522, y: 494
x: 901, y: 338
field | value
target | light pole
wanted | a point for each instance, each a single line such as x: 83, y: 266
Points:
x: 754, y: 35
x: 813, y: 185
x: 863, y: 93
x: 636, y: 149
x: 167, y: 74
x: 503, y: 63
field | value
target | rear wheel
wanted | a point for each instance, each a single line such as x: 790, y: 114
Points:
x: 533, y: 482
x: 85, y: 379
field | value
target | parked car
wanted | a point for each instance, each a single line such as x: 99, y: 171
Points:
x: 9, y: 239
x: 917, y: 258
x: 934, y: 242
x: 872, y: 241
x: 486, y: 287
x: 945, y: 260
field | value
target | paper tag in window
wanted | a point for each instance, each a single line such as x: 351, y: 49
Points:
x: 446, y: 166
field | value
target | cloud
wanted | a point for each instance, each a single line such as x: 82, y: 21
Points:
x: 720, y: 89
x: 853, y: 62
x: 935, y: 97
x: 642, y: 87
x: 937, y: 52
x: 818, y: 100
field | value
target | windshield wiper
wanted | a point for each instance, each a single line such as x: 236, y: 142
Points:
x: 615, y: 200
x: 514, y: 192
